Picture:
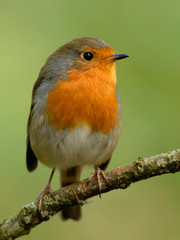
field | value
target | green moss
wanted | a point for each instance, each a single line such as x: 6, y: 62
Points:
x: 153, y: 166
x: 139, y: 164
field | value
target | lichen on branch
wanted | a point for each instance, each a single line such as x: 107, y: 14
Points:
x: 29, y: 216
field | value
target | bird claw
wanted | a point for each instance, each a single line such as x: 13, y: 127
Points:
x: 98, y: 173
x: 46, y: 191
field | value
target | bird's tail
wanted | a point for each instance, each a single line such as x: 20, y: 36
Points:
x: 68, y: 177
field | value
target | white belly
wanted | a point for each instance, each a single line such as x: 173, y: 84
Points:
x: 68, y: 148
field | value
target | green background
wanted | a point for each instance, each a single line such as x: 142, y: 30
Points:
x: 149, y: 88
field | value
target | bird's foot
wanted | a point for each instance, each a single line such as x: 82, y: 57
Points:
x: 98, y: 173
x: 46, y: 191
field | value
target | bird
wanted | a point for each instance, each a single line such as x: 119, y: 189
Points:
x: 75, y: 114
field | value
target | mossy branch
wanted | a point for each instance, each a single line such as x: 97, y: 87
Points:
x: 29, y: 216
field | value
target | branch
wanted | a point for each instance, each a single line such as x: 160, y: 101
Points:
x: 29, y: 216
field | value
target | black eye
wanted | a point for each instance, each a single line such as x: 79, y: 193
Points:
x: 88, y: 56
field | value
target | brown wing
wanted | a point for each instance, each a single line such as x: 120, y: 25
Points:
x: 31, y: 159
x: 48, y: 72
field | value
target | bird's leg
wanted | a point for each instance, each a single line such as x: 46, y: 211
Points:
x: 46, y: 191
x: 98, y: 173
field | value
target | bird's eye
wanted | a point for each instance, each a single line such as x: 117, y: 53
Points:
x: 88, y: 56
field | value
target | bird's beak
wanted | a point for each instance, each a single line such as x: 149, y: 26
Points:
x: 117, y: 56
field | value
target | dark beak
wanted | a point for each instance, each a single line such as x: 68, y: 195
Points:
x: 117, y: 56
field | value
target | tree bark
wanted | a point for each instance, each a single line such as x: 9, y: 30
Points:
x: 28, y: 216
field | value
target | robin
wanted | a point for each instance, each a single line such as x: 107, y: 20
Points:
x: 75, y: 114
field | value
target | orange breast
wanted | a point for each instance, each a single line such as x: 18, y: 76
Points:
x: 87, y: 97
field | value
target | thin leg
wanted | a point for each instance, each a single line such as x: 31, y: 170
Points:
x: 104, y: 165
x: 98, y: 173
x: 46, y: 191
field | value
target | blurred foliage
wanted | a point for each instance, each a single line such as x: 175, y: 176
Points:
x: 148, y: 84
